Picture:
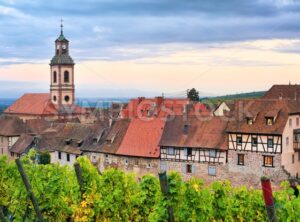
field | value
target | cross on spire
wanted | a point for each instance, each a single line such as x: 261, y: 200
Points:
x: 61, y: 26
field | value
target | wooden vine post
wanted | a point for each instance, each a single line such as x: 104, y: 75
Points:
x: 164, y: 186
x: 2, y: 218
x: 29, y: 190
x: 268, y: 198
x: 78, y: 172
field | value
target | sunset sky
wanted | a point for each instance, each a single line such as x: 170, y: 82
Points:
x: 149, y: 47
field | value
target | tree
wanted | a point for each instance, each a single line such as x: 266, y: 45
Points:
x: 193, y: 95
x: 44, y: 158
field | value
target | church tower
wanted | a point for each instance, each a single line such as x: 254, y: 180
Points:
x: 62, y: 88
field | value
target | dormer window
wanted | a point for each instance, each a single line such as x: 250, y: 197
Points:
x: 269, y: 121
x: 68, y: 141
x: 79, y: 143
x: 95, y: 140
x: 250, y: 121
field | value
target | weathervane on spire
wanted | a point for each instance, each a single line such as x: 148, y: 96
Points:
x: 61, y: 26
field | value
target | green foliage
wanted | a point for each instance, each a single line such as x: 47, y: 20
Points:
x: 227, y: 98
x: 117, y: 196
x: 193, y: 95
x: 44, y: 158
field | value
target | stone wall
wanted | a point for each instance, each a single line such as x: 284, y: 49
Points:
x: 138, y: 165
x: 4, y: 146
x: 252, y: 170
x: 199, y: 170
x: 248, y: 175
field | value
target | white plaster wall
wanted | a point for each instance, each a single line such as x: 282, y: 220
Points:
x: 63, y: 160
x: 220, y: 110
x: 288, y: 149
x: 247, y: 143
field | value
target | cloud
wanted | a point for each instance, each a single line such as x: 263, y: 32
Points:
x: 9, y: 11
x: 102, y: 29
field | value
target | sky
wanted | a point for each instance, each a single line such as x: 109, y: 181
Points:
x: 135, y: 48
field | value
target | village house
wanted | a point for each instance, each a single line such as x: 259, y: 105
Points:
x: 10, y: 131
x: 290, y: 92
x: 264, y: 139
x: 195, y: 146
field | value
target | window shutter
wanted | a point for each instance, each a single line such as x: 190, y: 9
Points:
x: 183, y: 168
x: 193, y: 169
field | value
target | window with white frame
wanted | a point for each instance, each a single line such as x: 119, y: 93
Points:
x: 241, y: 159
x: 212, y: 171
x: 268, y: 161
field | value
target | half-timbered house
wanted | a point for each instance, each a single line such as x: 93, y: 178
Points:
x: 194, y: 146
x: 260, y: 139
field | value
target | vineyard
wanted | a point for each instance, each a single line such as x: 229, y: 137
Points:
x: 117, y: 196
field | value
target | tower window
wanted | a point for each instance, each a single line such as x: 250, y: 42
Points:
x: 54, y: 98
x: 54, y: 77
x: 67, y: 98
x: 66, y: 76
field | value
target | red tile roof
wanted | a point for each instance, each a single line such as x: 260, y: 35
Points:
x: 147, y: 123
x: 38, y: 104
x: 159, y: 107
x: 23, y: 143
x: 142, y: 138
x: 115, y: 136
x: 34, y: 104
x: 283, y: 92
x: 279, y: 109
x: 11, y: 126
x: 195, y: 132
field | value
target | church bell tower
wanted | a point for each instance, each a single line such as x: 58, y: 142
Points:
x: 62, y: 88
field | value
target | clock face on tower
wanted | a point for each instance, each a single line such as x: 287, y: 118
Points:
x: 64, y: 46
x: 57, y: 47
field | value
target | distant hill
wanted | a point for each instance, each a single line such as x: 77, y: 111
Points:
x: 105, y: 102
x: 4, y: 103
x: 231, y: 97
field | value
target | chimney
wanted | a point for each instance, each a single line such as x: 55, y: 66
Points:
x: 185, y: 129
x: 110, y: 121
x: 140, y: 99
x: 159, y: 100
